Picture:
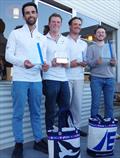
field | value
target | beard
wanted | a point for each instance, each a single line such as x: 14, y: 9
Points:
x: 76, y: 30
x: 31, y: 21
x: 100, y: 39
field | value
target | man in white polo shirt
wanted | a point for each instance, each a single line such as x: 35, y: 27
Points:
x: 55, y: 84
x: 77, y: 53
x: 22, y: 52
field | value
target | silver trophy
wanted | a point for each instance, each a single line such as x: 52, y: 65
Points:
x: 61, y: 57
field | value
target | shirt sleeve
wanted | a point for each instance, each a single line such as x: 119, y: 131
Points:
x: 67, y: 50
x: 10, y: 54
x: 44, y: 49
x: 84, y: 53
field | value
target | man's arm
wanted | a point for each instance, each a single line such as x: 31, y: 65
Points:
x: 83, y: 63
x: 11, y: 50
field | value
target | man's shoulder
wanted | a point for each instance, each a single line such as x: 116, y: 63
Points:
x: 83, y: 42
x: 41, y: 35
x: 92, y: 46
x: 16, y: 31
x: 38, y: 36
x: 63, y: 37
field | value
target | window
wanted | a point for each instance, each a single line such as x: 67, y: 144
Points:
x: 87, y: 21
x: 45, y: 10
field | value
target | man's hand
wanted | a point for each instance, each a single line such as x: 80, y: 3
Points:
x: 82, y: 64
x: 113, y: 62
x: 28, y: 64
x: 99, y: 61
x: 65, y: 65
x: 74, y: 63
x: 54, y: 64
x: 45, y: 67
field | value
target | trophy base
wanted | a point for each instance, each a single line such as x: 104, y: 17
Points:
x: 62, y: 60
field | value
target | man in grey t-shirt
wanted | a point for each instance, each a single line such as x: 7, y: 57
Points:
x: 101, y: 60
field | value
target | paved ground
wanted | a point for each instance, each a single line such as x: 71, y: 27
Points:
x: 30, y: 153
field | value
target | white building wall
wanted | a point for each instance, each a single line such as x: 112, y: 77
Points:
x: 118, y: 48
x: 107, y: 11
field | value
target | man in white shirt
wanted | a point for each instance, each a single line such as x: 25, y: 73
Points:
x: 22, y: 52
x: 75, y: 73
x: 55, y: 84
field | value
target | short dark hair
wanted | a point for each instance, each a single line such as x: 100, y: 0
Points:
x: 2, y: 26
x: 54, y: 15
x: 18, y: 27
x: 99, y: 27
x: 27, y: 5
x: 74, y: 18
x: 46, y: 29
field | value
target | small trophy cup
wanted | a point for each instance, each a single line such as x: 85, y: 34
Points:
x: 61, y: 58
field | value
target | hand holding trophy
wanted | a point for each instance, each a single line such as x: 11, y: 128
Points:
x: 82, y: 61
x: 60, y: 59
x: 74, y: 63
x: 113, y: 62
x: 45, y: 67
x: 99, y: 61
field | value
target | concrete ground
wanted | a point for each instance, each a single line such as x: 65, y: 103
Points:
x: 29, y: 152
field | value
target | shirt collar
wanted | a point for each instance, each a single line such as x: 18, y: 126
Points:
x: 79, y: 37
x: 49, y: 36
x: 25, y: 26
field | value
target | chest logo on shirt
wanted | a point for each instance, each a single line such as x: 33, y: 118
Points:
x: 61, y: 42
x: 38, y: 37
